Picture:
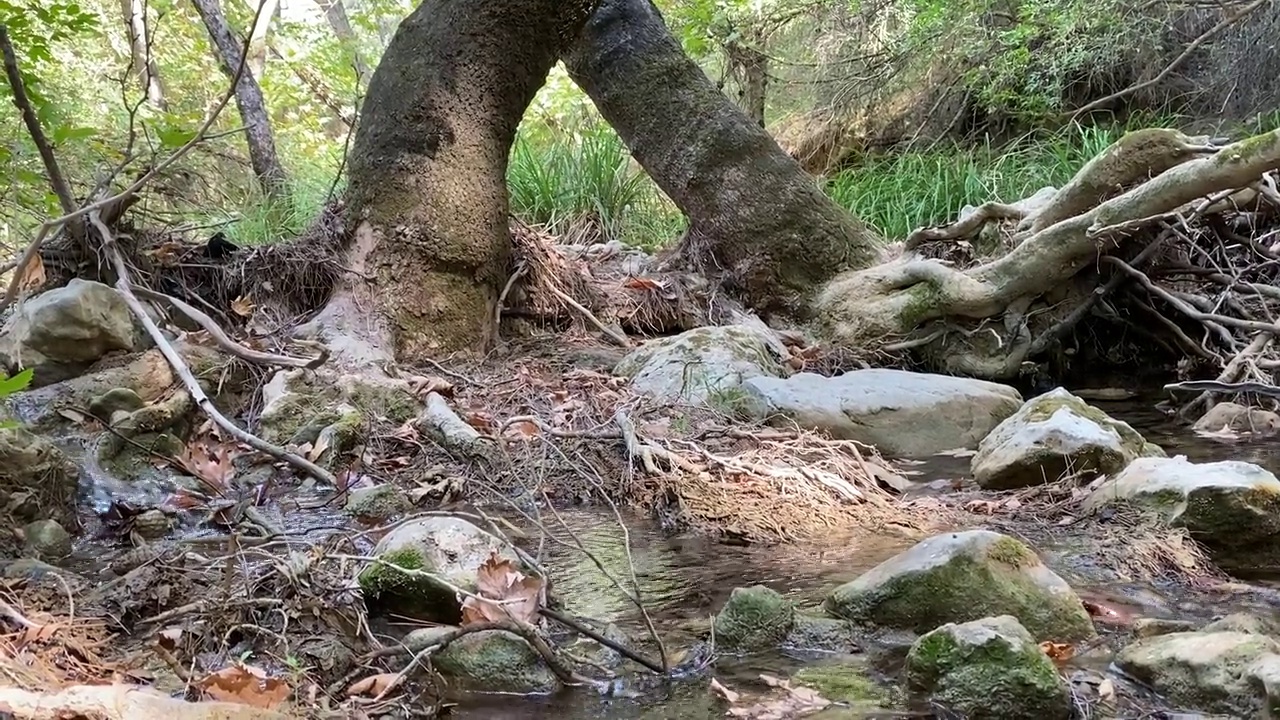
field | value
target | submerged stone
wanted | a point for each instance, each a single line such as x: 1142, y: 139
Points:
x: 958, y: 577
x: 990, y: 668
x: 1052, y: 435
x: 487, y: 661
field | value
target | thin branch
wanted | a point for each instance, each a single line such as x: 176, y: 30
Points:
x: 1187, y: 52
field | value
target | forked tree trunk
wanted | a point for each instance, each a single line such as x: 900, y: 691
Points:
x: 756, y: 218
x: 249, y: 100
x: 143, y: 65
x: 427, y: 199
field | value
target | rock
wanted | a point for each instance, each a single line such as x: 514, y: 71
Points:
x: 844, y: 682
x: 1232, y: 507
x: 703, y: 366
x: 988, y: 668
x: 152, y: 524
x: 754, y: 618
x: 1051, y: 435
x: 1151, y: 627
x: 958, y: 577
x: 31, y: 569
x: 37, y: 481
x: 486, y: 661
x: 448, y: 547
x: 1244, y: 623
x: 298, y: 406
x: 379, y: 502
x: 1221, y: 672
x: 900, y: 413
x: 62, y: 332
x: 822, y: 635
x: 115, y: 400
x: 46, y: 540
x: 1238, y: 418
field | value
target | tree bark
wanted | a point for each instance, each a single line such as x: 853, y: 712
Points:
x: 756, y: 219
x: 335, y: 13
x: 253, y: 108
x: 752, y: 70
x: 258, y: 35
x: 427, y: 200
x: 143, y: 64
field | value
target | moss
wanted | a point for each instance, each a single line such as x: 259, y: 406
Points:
x: 963, y: 590
x: 821, y: 634
x: 1246, y: 149
x: 843, y: 683
x: 754, y: 618
x: 924, y: 299
x: 495, y: 661
x: 1012, y: 553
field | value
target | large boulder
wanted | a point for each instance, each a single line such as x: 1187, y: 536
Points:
x: 1237, y: 418
x: 449, y: 549
x: 900, y: 413
x: 62, y: 332
x: 988, y: 668
x: 37, y: 481
x: 486, y: 661
x: 958, y: 577
x: 704, y: 366
x: 1232, y: 507
x: 1052, y: 435
x: 1218, y: 672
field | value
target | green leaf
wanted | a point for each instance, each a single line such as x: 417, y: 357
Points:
x: 68, y: 133
x: 174, y: 137
x: 17, y: 383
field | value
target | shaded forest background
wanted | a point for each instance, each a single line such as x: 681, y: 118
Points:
x: 906, y: 110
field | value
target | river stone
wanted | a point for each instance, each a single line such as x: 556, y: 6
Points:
x: 379, y: 502
x: 754, y: 618
x: 1220, y: 672
x: 703, y: 366
x: 1244, y: 623
x: 1232, y: 507
x: 1052, y: 435
x: 298, y: 406
x: 448, y: 547
x: 958, y: 577
x: 1238, y: 418
x: 62, y: 332
x: 900, y: 413
x: 46, y: 540
x: 37, y: 481
x: 987, y: 668
x: 486, y: 661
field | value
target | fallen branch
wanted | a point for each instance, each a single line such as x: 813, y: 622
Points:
x: 226, y: 343
x: 619, y: 647
x: 965, y: 227
x: 125, y: 288
x: 611, y: 333
x: 1227, y: 387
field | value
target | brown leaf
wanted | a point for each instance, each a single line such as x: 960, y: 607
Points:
x: 33, y: 274
x: 421, y: 385
x: 642, y: 283
x: 1058, y: 652
x: 522, y: 430
x: 210, y: 462
x: 242, y: 306
x: 321, y: 444
x: 374, y: 685
x: 504, y: 592
x: 168, y: 638
x: 247, y: 685
x: 1106, y: 690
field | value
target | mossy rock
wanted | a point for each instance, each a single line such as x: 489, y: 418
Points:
x: 1052, y: 435
x: 115, y: 400
x: 754, y: 619
x: 987, y: 669
x: 300, y: 405
x: 379, y: 502
x: 447, y: 548
x: 1216, y: 672
x: 821, y: 635
x: 703, y: 366
x: 848, y: 683
x: 959, y: 577
x: 487, y: 661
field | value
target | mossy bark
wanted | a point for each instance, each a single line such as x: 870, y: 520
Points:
x: 756, y: 219
x: 427, y: 202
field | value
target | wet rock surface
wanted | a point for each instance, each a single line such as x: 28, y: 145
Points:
x: 1222, y: 672
x: 704, y: 366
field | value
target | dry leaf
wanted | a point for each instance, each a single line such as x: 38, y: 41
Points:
x: 639, y: 283
x: 247, y: 685
x: 242, y: 306
x: 421, y: 385
x: 407, y: 432
x: 321, y: 444
x: 723, y: 691
x: 1058, y: 652
x: 374, y: 685
x: 73, y: 416
x: 168, y: 638
x: 210, y: 462
x: 33, y: 275
x: 504, y: 592
x: 798, y: 702
x: 522, y: 430
x: 1106, y: 690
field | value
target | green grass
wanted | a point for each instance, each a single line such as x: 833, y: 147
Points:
x: 896, y: 194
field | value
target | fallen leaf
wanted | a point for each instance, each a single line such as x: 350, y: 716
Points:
x: 374, y: 685
x: 643, y: 283
x: 168, y: 638
x: 1106, y: 690
x: 503, y: 592
x: 798, y: 702
x: 321, y: 444
x: 522, y: 430
x: 422, y: 385
x: 33, y: 274
x: 242, y: 306
x: 407, y: 433
x: 723, y: 691
x: 247, y: 685
x: 210, y: 462
x: 1058, y: 652
x: 73, y: 416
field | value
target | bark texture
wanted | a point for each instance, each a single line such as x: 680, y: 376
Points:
x: 756, y: 219
x: 427, y: 200
x: 253, y: 108
x: 143, y: 64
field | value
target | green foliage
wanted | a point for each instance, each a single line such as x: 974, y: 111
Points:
x: 10, y: 386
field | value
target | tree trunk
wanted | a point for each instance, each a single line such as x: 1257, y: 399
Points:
x: 335, y: 12
x: 755, y: 217
x: 257, y: 59
x: 427, y: 199
x: 752, y: 70
x: 143, y: 64
x: 253, y: 108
